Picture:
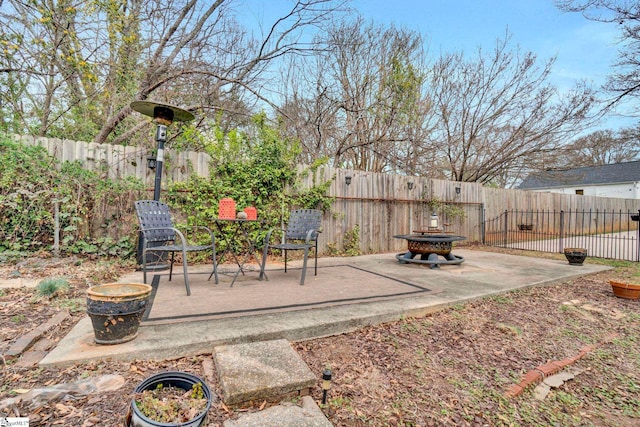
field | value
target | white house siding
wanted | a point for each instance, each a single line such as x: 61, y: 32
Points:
x: 630, y: 190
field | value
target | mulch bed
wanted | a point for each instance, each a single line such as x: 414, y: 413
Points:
x: 448, y: 368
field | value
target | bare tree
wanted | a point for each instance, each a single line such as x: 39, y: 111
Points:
x: 360, y: 103
x: 82, y: 63
x: 601, y: 147
x: 625, y: 82
x: 496, y: 111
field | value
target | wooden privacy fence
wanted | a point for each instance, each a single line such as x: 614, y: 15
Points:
x: 378, y: 205
x: 384, y: 205
x: 119, y: 161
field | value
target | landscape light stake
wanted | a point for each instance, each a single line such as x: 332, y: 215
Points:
x: 326, y: 384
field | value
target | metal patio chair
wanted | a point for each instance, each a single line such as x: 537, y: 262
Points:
x: 160, y: 235
x: 301, y: 234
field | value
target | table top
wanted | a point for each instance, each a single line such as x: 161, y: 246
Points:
x: 432, y: 231
x: 430, y: 237
x: 236, y: 220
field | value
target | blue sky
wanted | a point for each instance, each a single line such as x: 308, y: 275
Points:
x: 584, y: 49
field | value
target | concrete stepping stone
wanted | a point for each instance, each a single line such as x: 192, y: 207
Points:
x: 284, y: 415
x: 26, y: 341
x: 266, y: 370
x: 18, y: 282
x: 543, y: 389
x: 558, y: 380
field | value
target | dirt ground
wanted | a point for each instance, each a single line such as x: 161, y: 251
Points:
x: 450, y: 368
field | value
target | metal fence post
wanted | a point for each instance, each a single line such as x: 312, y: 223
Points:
x: 482, y: 224
x: 560, y: 241
x: 506, y: 226
x: 56, y: 228
x: 638, y: 239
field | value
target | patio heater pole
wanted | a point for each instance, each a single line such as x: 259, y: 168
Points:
x: 163, y: 115
x: 161, y: 138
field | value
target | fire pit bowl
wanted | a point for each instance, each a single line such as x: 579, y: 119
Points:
x: 429, y: 246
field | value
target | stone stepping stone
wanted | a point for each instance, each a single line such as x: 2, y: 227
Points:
x: 258, y: 371
x: 284, y: 415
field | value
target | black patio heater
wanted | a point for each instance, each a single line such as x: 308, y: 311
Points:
x: 163, y: 115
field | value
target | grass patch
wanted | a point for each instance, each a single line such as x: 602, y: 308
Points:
x: 74, y: 305
x: 52, y: 287
x: 501, y: 299
x: 17, y: 319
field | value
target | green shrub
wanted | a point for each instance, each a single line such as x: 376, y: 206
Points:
x: 257, y: 170
x: 32, y: 183
x: 256, y: 167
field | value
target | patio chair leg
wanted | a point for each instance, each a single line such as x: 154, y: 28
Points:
x: 171, y: 266
x: 144, y: 266
x: 285, y: 260
x: 304, y: 265
x: 265, y: 251
x: 184, y: 270
x: 215, y: 268
x: 315, y: 253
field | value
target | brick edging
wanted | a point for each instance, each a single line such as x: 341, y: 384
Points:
x: 23, y: 343
x: 537, y: 375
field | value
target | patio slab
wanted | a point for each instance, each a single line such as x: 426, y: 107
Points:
x: 308, y: 414
x: 260, y: 371
x: 482, y: 274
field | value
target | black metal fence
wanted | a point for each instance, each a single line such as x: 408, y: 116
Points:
x: 605, y: 234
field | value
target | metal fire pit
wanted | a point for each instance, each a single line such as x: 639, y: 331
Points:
x: 430, y: 246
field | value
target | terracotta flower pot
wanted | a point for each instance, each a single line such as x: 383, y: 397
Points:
x: 625, y: 290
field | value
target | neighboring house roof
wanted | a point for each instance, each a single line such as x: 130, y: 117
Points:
x: 589, y: 175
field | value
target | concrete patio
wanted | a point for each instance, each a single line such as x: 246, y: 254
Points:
x: 347, y: 293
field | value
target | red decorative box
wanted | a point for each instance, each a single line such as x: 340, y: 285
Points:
x: 227, y: 209
x: 251, y: 212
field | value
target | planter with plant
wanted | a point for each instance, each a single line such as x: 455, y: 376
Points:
x: 170, y: 399
x: 525, y: 227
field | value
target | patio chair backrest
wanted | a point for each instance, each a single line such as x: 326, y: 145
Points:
x: 301, y: 221
x: 154, y: 214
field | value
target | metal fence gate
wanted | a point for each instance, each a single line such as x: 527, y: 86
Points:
x: 605, y: 234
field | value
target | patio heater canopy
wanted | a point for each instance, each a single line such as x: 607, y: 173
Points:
x: 164, y: 114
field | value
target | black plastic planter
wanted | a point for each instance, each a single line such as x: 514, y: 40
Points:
x: 182, y: 380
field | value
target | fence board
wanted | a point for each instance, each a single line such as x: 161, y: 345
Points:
x: 381, y: 205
